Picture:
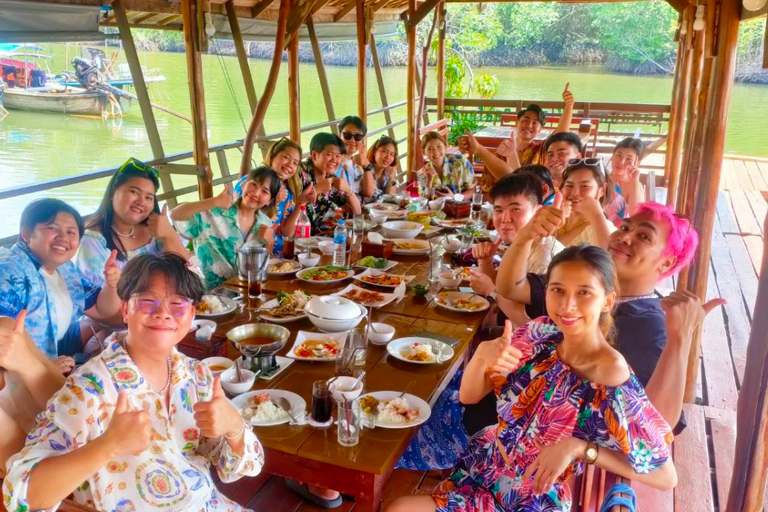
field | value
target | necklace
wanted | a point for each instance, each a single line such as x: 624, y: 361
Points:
x: 630, y: 298
x: 130, y: 234
x: 167, y: 382
x: 563, y: 230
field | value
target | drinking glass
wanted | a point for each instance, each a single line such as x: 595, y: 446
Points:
x: 358, y: 221
x: 255, y: 294
x: 349, y: 414
x: 436, y: 253
x: 344, y: 361
x: 358, y: 341
x: 289, y: 247
x: 322, y: 401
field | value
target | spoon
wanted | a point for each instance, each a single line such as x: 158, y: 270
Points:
x: 359, y: 378
x: 238, y: 370
x: 285, y: 405
x: 409, y: 386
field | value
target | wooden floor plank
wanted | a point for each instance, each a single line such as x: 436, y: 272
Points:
x: 694, y: 487
x: 742, y: 175
x: 275, y: 496
x: 725, y: 215
x: 724, y: 447
x: 745, y: 217
x: 728, y: 176
x: 759, y: 207
x: 754, y: 246
x: 745, y: 272
x: 243, y: 489
x: 758, y: 180
x: 763, y: 168
x: 403, y: 482
x: 431, y: 479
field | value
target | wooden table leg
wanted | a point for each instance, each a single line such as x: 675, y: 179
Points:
x: 369, y: 499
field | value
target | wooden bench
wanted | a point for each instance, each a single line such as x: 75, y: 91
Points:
x: 440, y: 127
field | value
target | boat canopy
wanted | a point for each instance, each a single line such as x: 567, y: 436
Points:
x: 22, y: 21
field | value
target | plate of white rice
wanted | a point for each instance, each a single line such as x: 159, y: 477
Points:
x: 261, y: 409
x: 393, y: 411
x: 211, y: 306
x: 420, y: 350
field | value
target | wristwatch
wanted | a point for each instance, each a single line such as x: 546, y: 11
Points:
x: 590, y: 454
x: 494, y: 296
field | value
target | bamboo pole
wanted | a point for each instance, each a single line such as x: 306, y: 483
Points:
x: 441, y: 62
x: 362, y: 42
x: 294, y: 90
x: 425, y: 116
x: 424, y: 62
x: 411, y: 94
x: 711, y: 166
x: 191, y: 19
x: 269, y: 88
x: 681, y: 104
x: 673, y: 101
x: 380, y: 83
x: 323, y: 78
x: 242, y: 58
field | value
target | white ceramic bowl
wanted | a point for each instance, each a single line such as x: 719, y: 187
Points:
x: 401, y: 229
x: 309, y: 259
x: 448, y: 280
x: 327, y: 247
x: 232, y: 386
x: 198, y: 323
x: 332, y: 307
x: 452, y: 244
x: 345, y: 383
x: 326, y: 325
x: 421, y: 201
x: 218, y: 361
x: 437, y: 204
x: 382, y: 334
x: 377, y: 217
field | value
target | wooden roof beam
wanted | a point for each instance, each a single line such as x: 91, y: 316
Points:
x: 346, y: 9
x: 678, y: 5
x: 422, y: 12
x: 319, y: 4
x: 376, y: 7
x: 169, y: 19
x: 298, y: 15
x: 260, y: 7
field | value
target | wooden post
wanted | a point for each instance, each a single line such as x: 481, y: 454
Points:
x: 441, y: 10
x: 380, y: 83
x: 362, y: 42
x: 321, y: 73
x: 749, y: 467
x: 191, y: 20
x: 417, y: 76
x: 269, y: 88
x: 709, y: 178
x: 675, y: 141
x: 673, y: 101
x: 294, y: 94
x: 413, y: 165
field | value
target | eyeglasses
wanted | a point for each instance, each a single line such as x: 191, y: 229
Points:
x: 138, y: 166
x: 595, y: 163
x: 149, y: 303
x: 349, y: 136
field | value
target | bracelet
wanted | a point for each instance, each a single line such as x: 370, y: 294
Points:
x: 239, y: 433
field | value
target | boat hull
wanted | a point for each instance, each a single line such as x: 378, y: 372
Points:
x: 72, y: 102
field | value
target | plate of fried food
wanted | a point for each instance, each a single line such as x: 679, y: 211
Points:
x: 212, y: 306
x: 327, y: 274
x: 406, y: 247
x: 287, y: 307
x: 316, y: 346
x: 382, y: 207
x: 393, y: 409
x: 420, y: 350
x: 277, y: 267
x: 383, y: 279
x: 462, y: 302
x: 366, y: 297
x: 454, y: 223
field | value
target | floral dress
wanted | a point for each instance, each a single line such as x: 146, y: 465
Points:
x: 457, y: 175
x: 545, y: 401
x: 617, y: 211
x: 216, y: 238
x: 93, y: 254
x: 322, y: 214
x: 173, y: 474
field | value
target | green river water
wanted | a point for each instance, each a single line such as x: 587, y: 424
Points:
x: 36, y: 147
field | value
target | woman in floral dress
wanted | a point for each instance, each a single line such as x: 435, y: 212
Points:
x: 565, y: 398
x: 444, y: 174
x: 139, y: 426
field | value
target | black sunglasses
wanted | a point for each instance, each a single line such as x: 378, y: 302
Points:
x: 349, y: 136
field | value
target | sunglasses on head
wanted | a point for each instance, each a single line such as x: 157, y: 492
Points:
x: 349, y: 136
x: 149, y: 303
x: 595, y: 163
x: 139, y: 166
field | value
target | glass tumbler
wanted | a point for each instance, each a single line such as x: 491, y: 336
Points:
x: 348, y: 424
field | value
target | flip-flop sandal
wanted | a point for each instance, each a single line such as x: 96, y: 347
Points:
x: 303, y: 491
x: 614, y: 498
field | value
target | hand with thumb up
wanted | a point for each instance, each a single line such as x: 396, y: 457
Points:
x: 15, y: 353
x: 112, y: 270
x: 159, y: 225
x: 217, y: 417
x: 129, y: 432
x: 546, y: 221
x: 499, y: 355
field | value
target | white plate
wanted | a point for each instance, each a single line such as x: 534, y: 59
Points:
x: 423, y: 250
x: 390, y: 264
x: 424, y: 409
x: 377, y: 272
x: 272, y: 261
x: 443, y: 352
x: 301, y: 336
x: 229, y: 304
x: 302, y: 273
x: 460, y: 295
x: 298, y: 405
x: 382, y: 207
x: 388, y: 297
x: 315, y: 240
x: 431, y: 230
x: 275, y: 320
x: 454, y: 223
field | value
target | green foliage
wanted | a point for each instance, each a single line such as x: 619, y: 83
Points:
x: 486, y: 85
x: 751, y: 33
x: 460, y: 124
x: 455, y: 71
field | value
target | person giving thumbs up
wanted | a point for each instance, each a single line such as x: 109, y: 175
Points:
x: 218, y: 417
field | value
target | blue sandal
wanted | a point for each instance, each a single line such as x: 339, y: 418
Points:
x: 303, y: 491
x: 613, y: 499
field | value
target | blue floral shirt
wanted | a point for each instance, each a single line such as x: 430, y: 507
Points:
x: 22, y: 287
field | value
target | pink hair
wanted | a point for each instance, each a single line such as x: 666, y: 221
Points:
x: 683, y: 239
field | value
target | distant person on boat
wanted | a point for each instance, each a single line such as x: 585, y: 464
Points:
x: 383, y: 156
x: 653, y: 332
x: 39, y: 277
x: 141, y: 426
x: 444, y: 174
x: 284, y: 157
x: 355, y: 166
x: 221, y: 225
x: 129, y: 221
x: 565, y: 399
x: 319, y: 169
x: 625, y: 175
x: 587, y: 189
x: 521, y: 148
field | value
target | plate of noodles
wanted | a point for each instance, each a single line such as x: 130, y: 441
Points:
x: 405, y: 247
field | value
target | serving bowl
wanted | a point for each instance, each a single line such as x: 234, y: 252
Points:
x: 344, y: 383
x: 258, y: 339
x: 234, y: 387
x: 309, y: 259
x: 380, y: 334
x: 221, y: 364
x: 326, y: 325
x: 448, y: 279
x: 327, y: 247
x: 332, y: 307
x: 401, y: 229
x: 452, y: 244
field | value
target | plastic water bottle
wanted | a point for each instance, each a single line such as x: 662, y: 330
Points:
x: 303, y: 231
x: 340, y: 244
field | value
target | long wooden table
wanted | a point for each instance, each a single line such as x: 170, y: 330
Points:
x: 313, y: 455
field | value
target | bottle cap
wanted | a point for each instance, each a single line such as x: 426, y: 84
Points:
x: 341, y: 222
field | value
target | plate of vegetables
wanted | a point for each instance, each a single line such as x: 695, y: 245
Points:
x: 381, y: 278
x: 327, y: 274
x: 377, y: 263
